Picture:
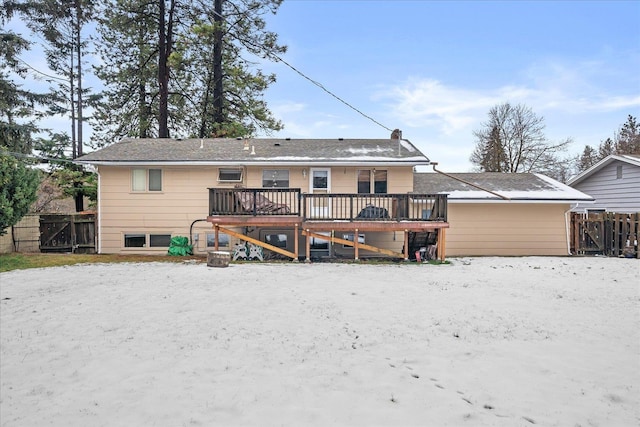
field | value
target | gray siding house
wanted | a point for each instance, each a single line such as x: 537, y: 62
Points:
x: 614, y: 183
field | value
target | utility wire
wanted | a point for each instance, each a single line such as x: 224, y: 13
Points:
x: 40, y: 72
x: 330, y: 93
x: 36, y: 157
x: 315, y: 82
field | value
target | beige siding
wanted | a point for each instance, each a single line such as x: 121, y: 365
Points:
x: 504, y: 229
x: 185, y: 198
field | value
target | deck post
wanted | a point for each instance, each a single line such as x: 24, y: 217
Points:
x: 441, y: 244
x: 308, y: 247
x: 296, y: 236
x: 355, y: 243
x: 216, y: 230
x: 406, y: 245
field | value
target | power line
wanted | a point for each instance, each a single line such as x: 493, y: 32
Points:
x: 315, y: 82
x: 36, y: 157
x: 330, y: 93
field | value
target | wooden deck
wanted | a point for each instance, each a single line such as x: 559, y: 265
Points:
x: 310, y: 215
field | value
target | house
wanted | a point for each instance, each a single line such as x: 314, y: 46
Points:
x: 504, y: 214
x: 290, y: 198
x: 614, y: 183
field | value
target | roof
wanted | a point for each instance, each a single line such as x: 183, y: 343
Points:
x: 512, y: 186
x: 633, y: 160
x: 231, y: 151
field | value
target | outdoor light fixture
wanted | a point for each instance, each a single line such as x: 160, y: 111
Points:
x: 304, y: 173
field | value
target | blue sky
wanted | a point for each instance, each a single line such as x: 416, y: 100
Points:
x: 434, y: 69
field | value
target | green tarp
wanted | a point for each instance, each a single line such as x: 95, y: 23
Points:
x: 180, y: 246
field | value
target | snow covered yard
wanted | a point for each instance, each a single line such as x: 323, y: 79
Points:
x: 531, y: 341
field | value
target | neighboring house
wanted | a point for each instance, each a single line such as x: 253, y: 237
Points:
x: 614, y: 183
x: 303, y: 198
x: 504, y: 213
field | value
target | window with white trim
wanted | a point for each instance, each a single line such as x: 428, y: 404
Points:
x: 146, y: 179
x: 275, y: 178
x: 135, y: 240
x: 159, y: 240
x: 143, y: 240
x: 365, y: 177
x: 230, y: 175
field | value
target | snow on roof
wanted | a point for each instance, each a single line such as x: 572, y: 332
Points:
x: 488, y: 186
x: 258, y: 150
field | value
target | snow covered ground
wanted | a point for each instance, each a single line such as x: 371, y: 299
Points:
x: 531, y: 341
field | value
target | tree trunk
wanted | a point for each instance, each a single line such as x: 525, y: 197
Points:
x: 79, y: 60
x: 218, y: 104
x: 163, y: 74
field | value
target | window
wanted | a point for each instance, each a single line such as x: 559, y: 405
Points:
x: 160, y: 240
x: 275, y: 178
x: 230, y: 175
x: 146, y: 179
x: 619, y: 172
x: 223, y: 240
x: 135, y: 240
x: 320, y: 180
x: 349, y: 237
x: 320, y: 245
x: 379, y: 181
x: 364, y: 181
x: 279, y: 240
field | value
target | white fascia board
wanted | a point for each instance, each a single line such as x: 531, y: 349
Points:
x: 632, y: 160
x: 260, y: 163
x: 518, y: 201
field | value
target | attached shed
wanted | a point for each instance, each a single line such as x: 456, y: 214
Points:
x: 503, y: 214
x: 614, y: 183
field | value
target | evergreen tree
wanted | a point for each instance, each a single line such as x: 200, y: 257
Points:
x: 181, y: 66
x: 18, y: 113
x: 627, y: 139
x: 60, y: 25
x: 18, y: 189
x: 588, y: 158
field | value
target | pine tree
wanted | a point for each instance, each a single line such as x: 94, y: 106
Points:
x: 627, y: 139
x: 18, y: 114
x: 178, y: 68
x: 18, y: 189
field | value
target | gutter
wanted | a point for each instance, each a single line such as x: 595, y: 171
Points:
x: 434, y: 164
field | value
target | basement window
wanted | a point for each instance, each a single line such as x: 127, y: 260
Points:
x: 279, y: 240
x: 349, y: 237
x: 230, y: 175
x: 159, y: 240
x: 223, y: 240
x: 135, y: 240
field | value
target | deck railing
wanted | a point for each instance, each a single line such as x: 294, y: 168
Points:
x: 328, y: 207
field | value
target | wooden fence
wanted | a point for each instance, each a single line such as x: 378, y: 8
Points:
x: 51, y: 233
x: 68, y: 233
x: 22, y: 237
x: 609, y: 234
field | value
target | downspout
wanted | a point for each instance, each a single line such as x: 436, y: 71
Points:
x: 434, y: 164
x: 99, y: 201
